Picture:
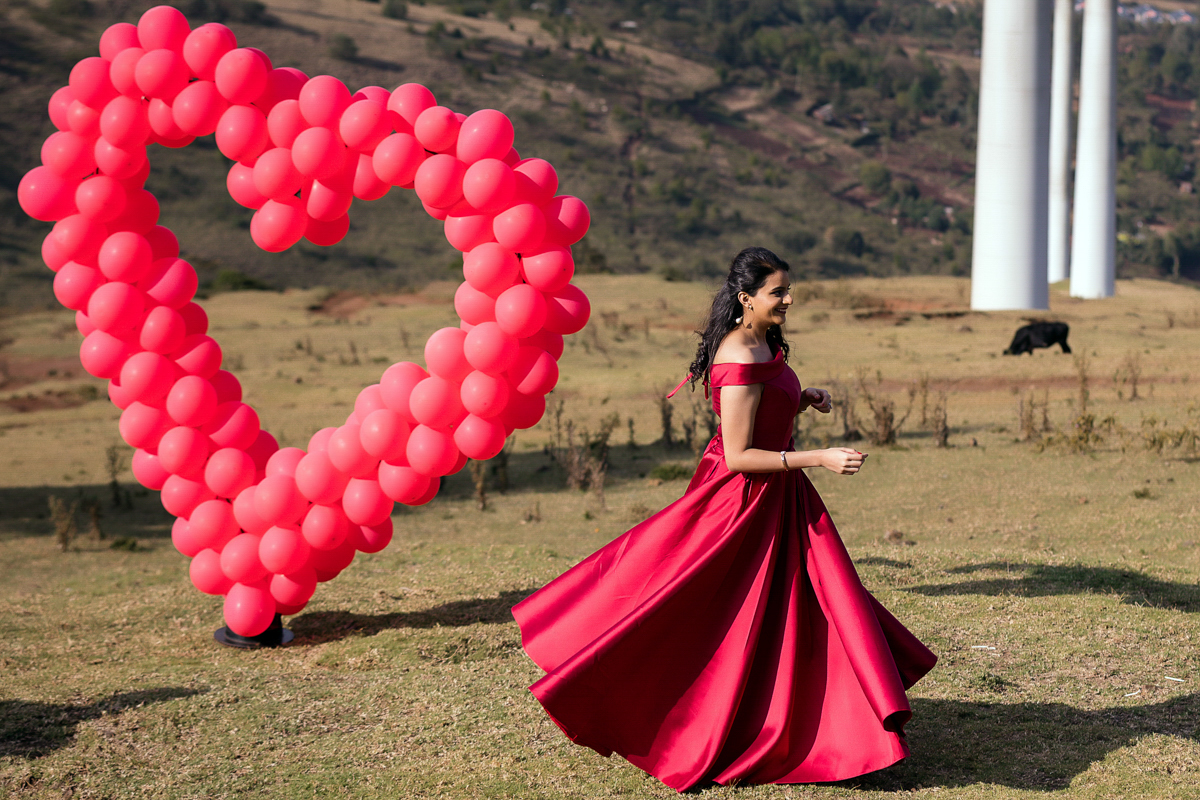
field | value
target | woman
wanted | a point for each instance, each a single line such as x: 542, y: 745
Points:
x: 728, y: 638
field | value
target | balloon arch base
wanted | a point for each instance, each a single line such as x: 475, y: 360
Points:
x: 274, y: 636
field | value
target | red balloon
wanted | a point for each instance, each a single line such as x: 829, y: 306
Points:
x: 437, y: 129
x: 431, y: 452
x: 78, y: 238
x: 192, y: 400
x: 69, y: 155
x: 363, y: 125
x: 325, y: 526
x: 318, y: 480
x: 520, y: 228
x: 123, y: 72
x: 372, y: 538
x: 521, y: 310
x: 285, y: 123
x: 148, y: 471
x: 524, y: 410
x: 438, y: 181
x: 368, y: 400
x: 435, y: 402
x: 228, y: 472
x: 480, y: 438
x: 367, y: 185
x: 323, y: 99
x: 325, y: 204
x: 473, y: 306
x: 184, y: 451
x: 116, y: 308
x: 261, y: 450
x: 84, y: 120
x: 101, y: 198
x: 549, y: 268
x: 205, y: 572
x: 102, y: 354
x: 163, y: 26
x: 90, y: 82
x: 326, y: 234
x: 147, y: 377
x: 163, y: 128
x: 283, y: 84
x: 279, y: 224
x: 234, y: 424
x: 328, y: 563
x: 275, y: 176
x: 125, y: 256
x: 284, y: 461
x: 140, y: 214
x: 467, y: 233
x: 536, y: 181
x: 249, y: 610
x: 295, y: 589
x: 142, y: 426
x: 404, y: 484
x: 317, y: 153
x: 444, y: 354
x: 396, y: 385
x: 365, y: 503
x: 319, y: 441
x: 161, y: 73
x: 277, y: 501
x: 488, y: 185
x: 240, y: 184
x: 347, y: 454
x: 172, y: 282
x: 245, y: 514
x: 163, y: 243
x: 397, y: 158
x: 230, y: 390
x: 116, y: 38
x: 241, y: 75
x: 384, y: 434
x: 409, y: 101
x: 212, y: 523
x: 198, y: 108
x: 198, y: 355
x: 205, y: 46
x: 486, y: 134
x: 534, y: 371
x: 45, y: 195
x: 60, y: 102
x: 484, y: 395
x: 52, y: 253
x: 567, y: 310
x: 283, y: 550
x: 242, y: 133
x: 180, y: 496
x: 240, y: 561
x: 567, y: 220
x: 489, y: 349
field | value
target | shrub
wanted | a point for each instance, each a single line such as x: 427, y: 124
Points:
x: 343, y: 47
x: 395, y: 9
x: 875, y: 177
x: 670, y: 472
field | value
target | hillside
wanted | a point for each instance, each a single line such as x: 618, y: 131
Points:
x: 839, y: 133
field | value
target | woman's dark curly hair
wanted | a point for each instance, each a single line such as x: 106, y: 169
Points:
x: 748, y: 272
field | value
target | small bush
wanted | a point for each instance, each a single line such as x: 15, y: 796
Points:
x: 875, y: 177
x: 395, y: 9
x: 343, y: 47
x: 670, y: 472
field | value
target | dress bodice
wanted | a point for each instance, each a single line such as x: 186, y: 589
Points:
x: 780, y: 398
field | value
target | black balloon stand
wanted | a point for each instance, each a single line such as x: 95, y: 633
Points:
x: 274, y: 636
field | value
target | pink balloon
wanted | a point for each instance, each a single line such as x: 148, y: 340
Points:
x: 404, y: 484
x: 228, y: 390
x: 347, y: 454
x: 363, y: 125
x: 437, y: 129
x: 90, y: 82
x: 52, y: 253
x: 368, y: 400
x: 365, y: 503
x: 192, y: 400
x: 162, y: 124
x: 180, y: 496
x: 228, y: 472
x: 142, y: 426
x: 319, y: 441
x: 486, y: 134
x: 184, y: 451
x: 163, y: 26
x: 438, y: 181
x: 60, y: 102
x: 409, y: 101
x: 123, y: 72
x: 396, y: 386
x: 233, y: 425
x: 283, y: 84
x: 262, y: 448
x: 125, y: 257
x: 367, y: 185
x: 160, y: 73
x: 275, y: 176
x: 326, y: 234
x: 322, y: 101
x: 520, y: 228
x: 240, y: 561
x: 198, y: 355
x: 68, y: 154
x: 384, y: 434
x: 147, y: 377
x: 397, y: 158
x: 83, y: 119
x: 436, y: 213
x: 567, y: 310
x: 163, y: 243
x: 325, y: 526
x: 548, y: 269
x: 205, y: 46
x: 328, y: 563
x: 537, y: 181
x: 285, y: 123
x: 467, y: 233
x: 79, y: 238
x: 284, y: 461
x: 279, y: 224
x: 148, y: 471
x: 488, y: 185
x: 242, y: 133
x: 521, y: 310
x: 295, y: 588
x: 534, y: 371
x: 431, y: 452
x: 491, y: 268
x: 484, y: 395
x: 524, y: 410
x: 249, y: 610
x: 116, y: 308
x: 489, y: 349
x: 318, y: 480
x: 317, y: 153
x: 194, y: 318
x: 213, y: 524
x: 140, y: 214
x: 118, y: 162
x: 283, y: 550
x: 45, y: 195
x: 246, y: 515
x: 435, y: 402
x: 480, y: 438
x: 567, y: 220
x: 119, y: 397
x: 241, y: 75
x: 183, y: 538
x: 205, y: 572
x: 116, y: 38
x: 473, y: 306
x: 325, y: 204
x: 240, y: 183
x: 102, y: 354
x: 444, y: 354
x: 198, y: 108
x: 277, y: 501
x: 372, y: 538
x: 101, y: 197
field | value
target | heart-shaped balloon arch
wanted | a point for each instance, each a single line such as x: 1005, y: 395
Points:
x: 264, y: 525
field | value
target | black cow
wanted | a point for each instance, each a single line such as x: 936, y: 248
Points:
x: 1039, y: 334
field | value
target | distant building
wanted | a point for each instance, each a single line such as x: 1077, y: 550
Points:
x: 1146, y: 14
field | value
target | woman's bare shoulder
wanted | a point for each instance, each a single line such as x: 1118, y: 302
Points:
x: 732, y: 351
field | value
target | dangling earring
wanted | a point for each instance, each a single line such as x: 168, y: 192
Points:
x: 738, y: 321
x: 749, y: 308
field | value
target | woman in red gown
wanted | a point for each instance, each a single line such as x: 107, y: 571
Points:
x: 728, y: 637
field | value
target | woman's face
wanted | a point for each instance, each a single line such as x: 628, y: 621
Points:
x: 773, y: 298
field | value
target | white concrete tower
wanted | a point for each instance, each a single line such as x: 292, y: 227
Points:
x: 1008, y: 269
x: 1094, y: 237
x: 1058, y: 263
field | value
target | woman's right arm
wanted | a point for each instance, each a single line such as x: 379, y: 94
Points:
x: 739, y: 404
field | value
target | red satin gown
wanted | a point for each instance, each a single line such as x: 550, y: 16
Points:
x: 728, y: 637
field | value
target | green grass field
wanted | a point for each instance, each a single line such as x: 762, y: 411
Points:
x: 1058, y: 587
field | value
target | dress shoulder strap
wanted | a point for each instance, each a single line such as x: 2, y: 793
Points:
x: 747, y: 374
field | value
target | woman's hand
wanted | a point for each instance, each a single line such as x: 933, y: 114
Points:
x: 842, y: 460
x: 818, y: 399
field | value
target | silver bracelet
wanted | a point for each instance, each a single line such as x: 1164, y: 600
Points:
x: 783, y: 458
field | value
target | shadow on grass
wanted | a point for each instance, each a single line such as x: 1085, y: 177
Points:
x: 25, y: 511
x: 32, y: 730
x: 325, y: 626
x: 1034, y: 746
x: 1045, y: 580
